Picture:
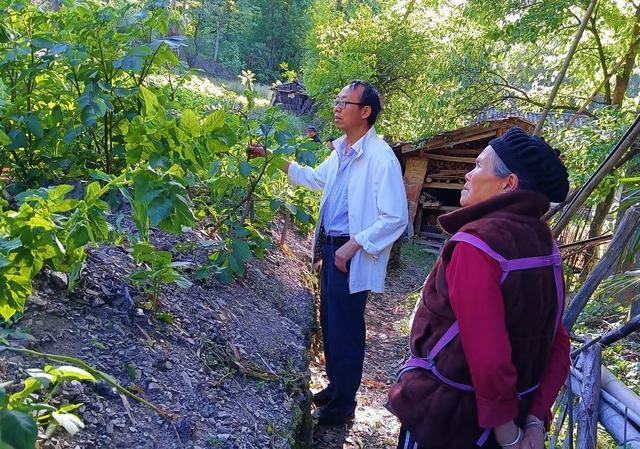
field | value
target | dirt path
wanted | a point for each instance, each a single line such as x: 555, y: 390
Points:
x: 388, y: 325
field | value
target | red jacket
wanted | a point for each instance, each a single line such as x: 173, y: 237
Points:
x: 506, y: 341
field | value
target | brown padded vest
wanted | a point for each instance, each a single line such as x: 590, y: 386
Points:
x: 440, y: 416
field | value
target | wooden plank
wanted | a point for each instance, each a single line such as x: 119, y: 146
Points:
x: 414, y: 174
x: 441, y: 157
x: 407, y: 148
x: 443, y: 185
x: 433, y: 235
x: 471, y: 152
x: 448, y: 172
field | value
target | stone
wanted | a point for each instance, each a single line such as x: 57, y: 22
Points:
x: 186, y: 379
x: 59, y: 279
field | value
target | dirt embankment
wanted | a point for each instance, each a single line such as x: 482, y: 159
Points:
x: 231, y: 368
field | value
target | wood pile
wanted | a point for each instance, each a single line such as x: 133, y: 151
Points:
x: 447, y: 172
x: 432, y: 241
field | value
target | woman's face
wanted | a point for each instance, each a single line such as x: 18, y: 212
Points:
x: 482, y: 183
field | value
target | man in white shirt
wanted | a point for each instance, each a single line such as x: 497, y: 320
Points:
x: 363, y: 210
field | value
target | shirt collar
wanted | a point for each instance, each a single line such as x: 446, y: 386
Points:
x: 340, y: 143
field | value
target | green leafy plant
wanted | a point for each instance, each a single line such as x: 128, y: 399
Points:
x: 158, y: 269
x: 37, y: 405
x: 46, y: 228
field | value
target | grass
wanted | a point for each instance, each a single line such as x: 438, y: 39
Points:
x: 417, y: 254
x: 200, y: 92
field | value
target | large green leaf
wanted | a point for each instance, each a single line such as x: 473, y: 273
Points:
x: 69, y: 421
x: 17, y: 430
x: 151, y: 103
x: 190, y: 122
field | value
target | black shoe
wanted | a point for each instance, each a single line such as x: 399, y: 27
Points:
x: 331, y: 415
x: 322, y: 397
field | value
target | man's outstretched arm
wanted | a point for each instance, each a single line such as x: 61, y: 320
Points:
x: 311, y: 178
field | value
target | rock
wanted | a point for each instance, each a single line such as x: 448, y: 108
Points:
x: 37, y: 299
x: 105, y: 390
x: 186, y: 379
x: 139, y: 312
x: 97, y: 302
x: 153, y: 387
x: 59, y: 279
x: 91, y: 292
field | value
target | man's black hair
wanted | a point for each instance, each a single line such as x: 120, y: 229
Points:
x: 370, y: 97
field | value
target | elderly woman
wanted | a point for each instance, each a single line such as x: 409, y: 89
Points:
x: 489, y: 353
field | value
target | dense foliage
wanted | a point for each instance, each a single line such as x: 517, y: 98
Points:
x: 99, y: 103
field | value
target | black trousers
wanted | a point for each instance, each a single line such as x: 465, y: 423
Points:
x: 343, y: 329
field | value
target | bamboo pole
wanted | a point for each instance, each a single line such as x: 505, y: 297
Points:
x: 612, y: 401
x: 620, y: 391
x: 618, y: 427
x: 605, y: 168
x: 605, y: 266
x: 587, y: 410
x: 614, y: 421
x: 565, y: 66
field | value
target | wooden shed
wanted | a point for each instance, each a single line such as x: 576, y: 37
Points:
x: 434, y: 171
x: 292, y: 97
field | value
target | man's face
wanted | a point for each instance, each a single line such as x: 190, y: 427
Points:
x: 352, y: 115
x: 481, y: 182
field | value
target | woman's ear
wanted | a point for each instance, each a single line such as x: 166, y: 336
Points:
x: 511, y: 183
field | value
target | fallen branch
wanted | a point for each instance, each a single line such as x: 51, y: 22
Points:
x: 612, y: 336
x: 93, y: 371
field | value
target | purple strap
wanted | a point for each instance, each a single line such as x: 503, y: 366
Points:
x: 506, y: 266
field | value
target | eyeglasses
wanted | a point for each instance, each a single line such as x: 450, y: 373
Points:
x: 340, y: 103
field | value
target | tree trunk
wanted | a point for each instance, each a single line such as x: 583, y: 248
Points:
x: 565, y: 66
x: 602, y: 211
x: 217, y: 45
x: 410, y: 7
x: 196, y: 42
x: 595, y: 230
x: 622, y: 78
x: 339, y: 5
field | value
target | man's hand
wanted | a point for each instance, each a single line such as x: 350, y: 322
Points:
x: 257, y: 150
x: 345, y: 253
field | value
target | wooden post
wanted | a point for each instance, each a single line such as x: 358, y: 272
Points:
x: 605, y: 267
x: 565, y: 66
x: 605, y: 168
x: 587, y: 413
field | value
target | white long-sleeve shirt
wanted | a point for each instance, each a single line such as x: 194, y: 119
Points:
x: 377, y: 205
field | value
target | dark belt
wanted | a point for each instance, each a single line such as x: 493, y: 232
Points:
x: 335, y: 240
